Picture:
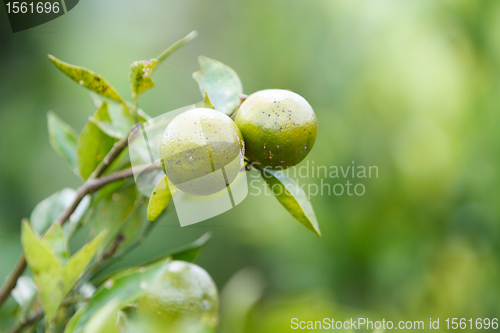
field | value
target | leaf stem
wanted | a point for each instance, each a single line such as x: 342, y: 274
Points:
x: 136, y: 109
x: 177, y: 45
x: 12, y: 280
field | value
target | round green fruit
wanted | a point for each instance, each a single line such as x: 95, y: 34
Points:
x: 202, y: 151
x: 185, y: 294
x: 279, y: 128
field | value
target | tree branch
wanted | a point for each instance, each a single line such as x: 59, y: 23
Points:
x: 92, y: 184
x: 11, y: 281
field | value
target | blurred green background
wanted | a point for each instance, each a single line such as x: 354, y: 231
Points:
x: 412, y: 87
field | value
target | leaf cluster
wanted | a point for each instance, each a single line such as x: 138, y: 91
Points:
x: 118, y: 216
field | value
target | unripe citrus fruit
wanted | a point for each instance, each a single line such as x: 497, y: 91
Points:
x: 202, y: 151
x: 184, y: 293
x: 279, y: 128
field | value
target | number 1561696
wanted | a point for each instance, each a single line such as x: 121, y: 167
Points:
x: 32, y: 7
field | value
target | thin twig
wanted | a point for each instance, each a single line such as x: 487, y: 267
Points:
x: 92, y: 184
x: 32, y: 319
x: 11, y: 281
x: 176, y: 45
x: 116, y: 243
x: 113, y: 154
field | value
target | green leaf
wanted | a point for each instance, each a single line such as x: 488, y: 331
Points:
x: 55, y: 241
x: 140, y: 71
x: 80, y: 260
x: 98, y: 100
x: 140, y: 75
x: 124, y: 287
x: 120, y: 123
x: 159, y: 199
x: 87, y: 79
x: 73, y: 324
x: 132, y: 227
x: 291, y: 197
x: 52, y: 279
x: 221, y: 83
x: 111, y: 213
x: 104, y: 320
x: 45, y: 269
x: 93, y: 144
x: 48, y: 210
x: 191, y: 252
x: 206, y: 103
x: 63, y: 139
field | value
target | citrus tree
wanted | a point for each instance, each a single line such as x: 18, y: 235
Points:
x: 66, y: 292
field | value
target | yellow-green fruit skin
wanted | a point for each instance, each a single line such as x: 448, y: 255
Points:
x: 184, y: 294
x: 279, y: 128
x: 202, y: 151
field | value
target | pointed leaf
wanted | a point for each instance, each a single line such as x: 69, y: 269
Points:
x: 104, y: 320
x: 292, y: 198
x: 124, y: 287
x: 79, y: 261
x: 159, y: 200
x: 140, y: 75
x: 221, y: 83
x: 87, y: 79
x: 63, y: 139
x: 53, y: 281
x: 120, y: 123
x: 191, y: 252
x: 112, y: 212
x: 55, y: 241
x: 132, y: 227
x: 48, y: 210
x: 93, y: 144
x: 140, y: 71
x: 74, y: 323
x: 108, y: 128
x: 45, y: 269
x: 206, y: 103
x: 97, y: 100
